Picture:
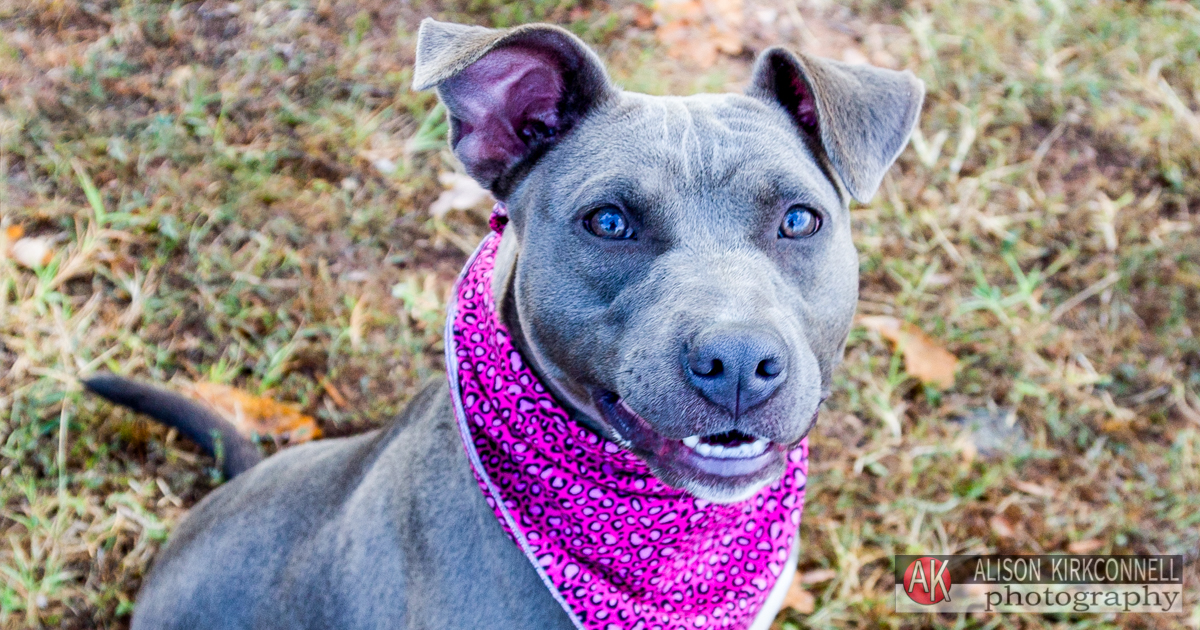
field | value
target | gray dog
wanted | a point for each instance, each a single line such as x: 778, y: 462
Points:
x: 679, y: 271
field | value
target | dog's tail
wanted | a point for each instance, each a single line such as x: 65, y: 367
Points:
x: 200, y: 424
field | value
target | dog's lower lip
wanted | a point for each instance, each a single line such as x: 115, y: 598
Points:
x: 746, y: 458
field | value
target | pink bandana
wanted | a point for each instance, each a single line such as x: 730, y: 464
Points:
x: 619, y: 549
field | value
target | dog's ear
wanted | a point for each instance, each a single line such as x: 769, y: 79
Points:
x: 862, y: 116
x: 511, y: 94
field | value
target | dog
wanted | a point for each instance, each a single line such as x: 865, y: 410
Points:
x: 678, y: 275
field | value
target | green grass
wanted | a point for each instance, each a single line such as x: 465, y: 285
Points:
x: 241, y: 196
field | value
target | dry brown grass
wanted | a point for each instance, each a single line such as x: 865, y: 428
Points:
x: 260, y: 177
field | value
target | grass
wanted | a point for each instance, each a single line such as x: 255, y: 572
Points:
x: 239, y: 193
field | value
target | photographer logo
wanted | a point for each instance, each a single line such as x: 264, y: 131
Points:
x: 1047, y: 583
x: 927, y: 581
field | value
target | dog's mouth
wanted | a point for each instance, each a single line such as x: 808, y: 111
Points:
x: 724, y: 467
x: 727, y: 445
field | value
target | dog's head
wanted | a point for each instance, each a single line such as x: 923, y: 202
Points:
x: 679, y: 270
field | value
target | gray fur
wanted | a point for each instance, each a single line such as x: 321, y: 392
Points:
x: 389, y: 529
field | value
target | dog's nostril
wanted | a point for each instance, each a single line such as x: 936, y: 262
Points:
x: 702, y: 364
x: 714, y: 368
x: 768, y: 368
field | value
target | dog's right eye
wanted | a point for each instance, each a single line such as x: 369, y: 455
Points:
x: 800, y: 222
x: 608, y: 222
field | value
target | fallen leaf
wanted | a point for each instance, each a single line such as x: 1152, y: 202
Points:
x: 817, y: 576
x: 1116, y: 426
x: 1002, y: 527
x: 1034, y: 489
x: 1121, y: 419
x: 1085, y: 546
x: 424, y: 299
x: 385, y: 166
x: 8, y: 236
x: 384, y: 152
x: 799, y: 600
x: 924, y: 358
x: 255, y: 416
x: 179, y: 76
x: 32, y: 252
x: 334, y: 393
x: 461, y: 193
x: 698, y: 31
x: 966, y: 445
x: 643, y: 16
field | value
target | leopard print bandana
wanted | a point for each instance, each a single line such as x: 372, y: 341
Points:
x: 619, y: 549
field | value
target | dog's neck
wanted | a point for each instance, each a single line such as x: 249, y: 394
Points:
x: 504, y: 295
x: 503, y: 273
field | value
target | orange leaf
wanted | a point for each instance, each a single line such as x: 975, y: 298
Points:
x: 698, y: 31
x: 924, y: 358
x: 334, y: 392
x: 256, y: 416
x: 1115, y: 426
x: 9, y: 236
x: 727, y: 42
x: 799, y: 599
x: 643, y: 17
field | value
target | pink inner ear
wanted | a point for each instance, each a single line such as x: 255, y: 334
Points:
x: 789, y: 87
x: 806, y: 106
x: 505, y: 101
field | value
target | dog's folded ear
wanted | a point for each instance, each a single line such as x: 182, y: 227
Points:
x: 861, y: 116
x: 511, y: 94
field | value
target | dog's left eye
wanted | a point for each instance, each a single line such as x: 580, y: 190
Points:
x: 608, y: 222
x: 799, y: 222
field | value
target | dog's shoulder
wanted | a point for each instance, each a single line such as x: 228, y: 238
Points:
x: 384, y: 529
x: 308, y: 505
x: 226, y: 557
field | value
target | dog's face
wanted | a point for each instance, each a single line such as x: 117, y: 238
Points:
x: 686, y: 276
x: 681, y: 270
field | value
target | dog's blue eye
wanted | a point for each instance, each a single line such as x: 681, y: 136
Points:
x: 799, y: 222
x: 608, y: 222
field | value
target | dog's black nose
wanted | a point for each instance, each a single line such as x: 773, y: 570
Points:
x: 736, y: 367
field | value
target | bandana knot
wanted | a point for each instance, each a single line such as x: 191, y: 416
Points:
x: 499, y: 217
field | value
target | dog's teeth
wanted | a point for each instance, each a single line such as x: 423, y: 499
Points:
x: 721, y: 451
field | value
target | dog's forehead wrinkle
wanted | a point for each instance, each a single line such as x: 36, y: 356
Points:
x: 707, y: 135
